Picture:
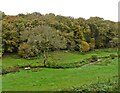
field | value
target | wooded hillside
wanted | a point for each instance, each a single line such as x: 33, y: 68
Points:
x: 31, y: 34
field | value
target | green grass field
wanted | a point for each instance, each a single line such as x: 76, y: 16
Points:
x: 53, y: 79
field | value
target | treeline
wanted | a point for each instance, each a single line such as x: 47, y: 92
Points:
x: 31, y: 34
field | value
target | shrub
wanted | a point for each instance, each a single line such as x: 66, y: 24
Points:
x: 112, y: 56
x: 94, y: 58
x: 26, y: 51
x: 85, y: 46
x: 110, y: 85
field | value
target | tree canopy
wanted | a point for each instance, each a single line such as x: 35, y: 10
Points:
x: 51, y: 32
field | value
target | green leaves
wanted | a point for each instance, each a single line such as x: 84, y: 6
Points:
x: 49, y: 31
x: 26, y: 50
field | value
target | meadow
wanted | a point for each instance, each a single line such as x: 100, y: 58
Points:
x: 65, y: 71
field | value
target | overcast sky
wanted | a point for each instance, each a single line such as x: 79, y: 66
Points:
x: 107, y: 9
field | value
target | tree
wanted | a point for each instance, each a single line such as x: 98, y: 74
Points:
x: 78, y: 36
x: 10, y: 34
x: 73, y: 29
x: 84, y: 28
x: 114, y: 42
x: 92, y: 43
x: 45, y: 39
x: 26, y: 50
x: 70, y: 41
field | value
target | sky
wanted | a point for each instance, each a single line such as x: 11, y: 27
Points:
x: 107, y: 9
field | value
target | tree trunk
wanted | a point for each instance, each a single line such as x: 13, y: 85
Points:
x: 45, y: 58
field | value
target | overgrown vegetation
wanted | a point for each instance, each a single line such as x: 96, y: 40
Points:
x: 107, y: 86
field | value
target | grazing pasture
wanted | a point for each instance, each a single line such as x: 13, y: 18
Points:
x: 62, y: 76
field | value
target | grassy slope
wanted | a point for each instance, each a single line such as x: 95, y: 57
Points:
x: 58, y: 79
x: 57, y: 57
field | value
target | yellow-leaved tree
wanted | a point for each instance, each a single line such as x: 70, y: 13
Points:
x: 84, y: 46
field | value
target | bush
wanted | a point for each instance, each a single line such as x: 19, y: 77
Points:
x: 26, y: 51
x: 109, y: 86
x: 112, y: 56
x: 85, y: 46
x: 94, y: 58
